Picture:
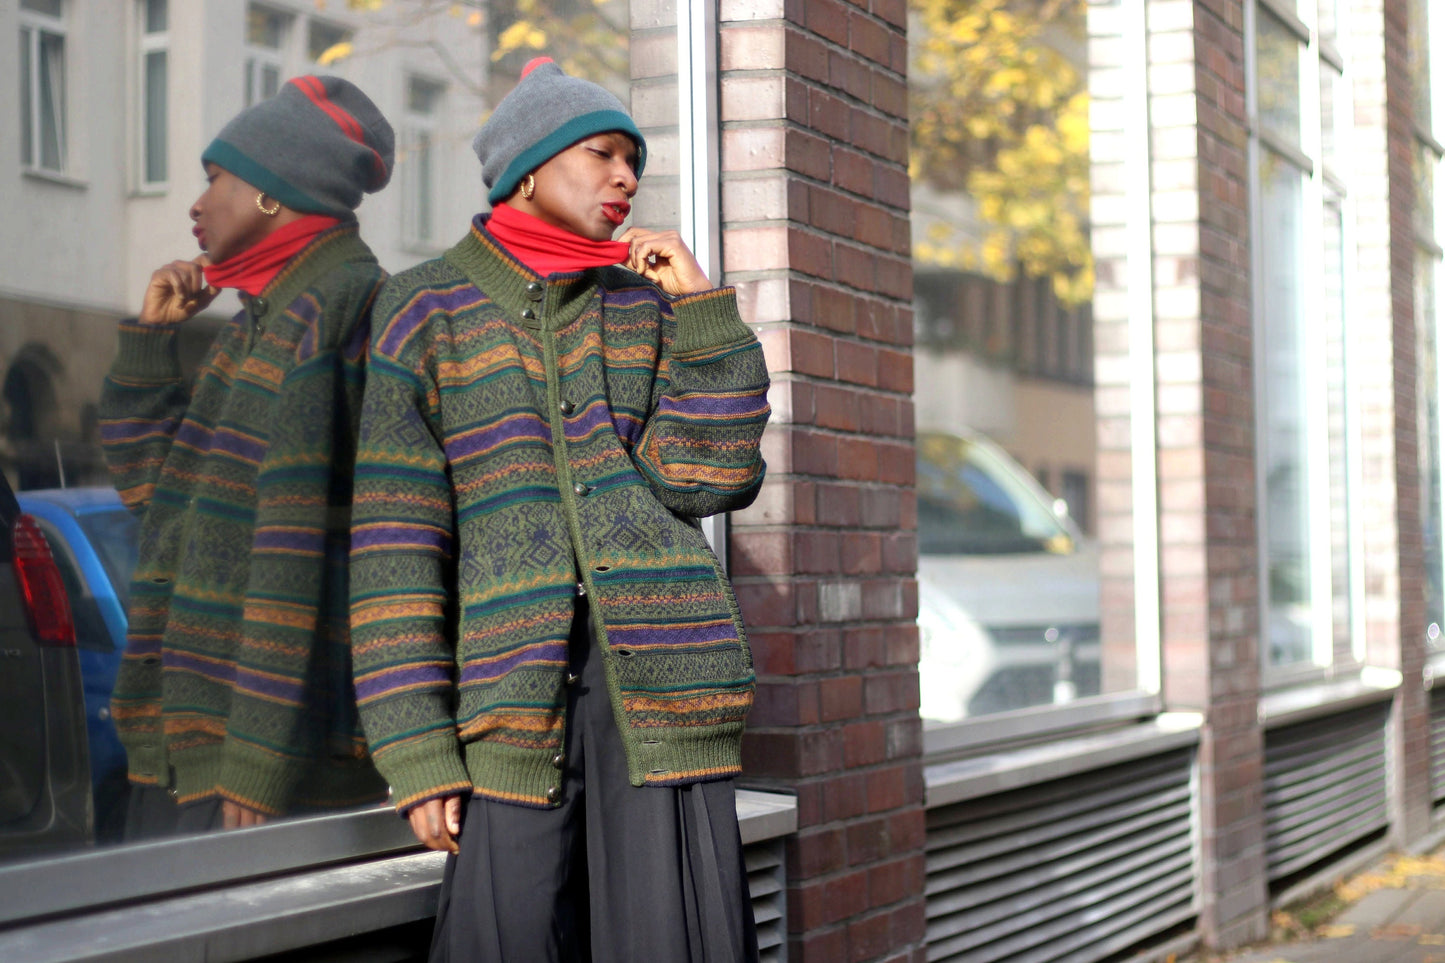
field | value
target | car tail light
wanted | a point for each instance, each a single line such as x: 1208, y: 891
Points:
x: 40, y: 584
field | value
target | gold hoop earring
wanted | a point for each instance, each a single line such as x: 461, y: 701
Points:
x: 529, y: 186
x: 262, y: 207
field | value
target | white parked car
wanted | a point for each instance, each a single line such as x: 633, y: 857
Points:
x: 1008, y: 588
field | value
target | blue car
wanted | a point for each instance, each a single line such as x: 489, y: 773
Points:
x: 94, y: 540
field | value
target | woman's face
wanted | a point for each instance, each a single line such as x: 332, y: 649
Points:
x: 227, y: 220
x: 586, y: 189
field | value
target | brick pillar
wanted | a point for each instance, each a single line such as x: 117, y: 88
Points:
x: 1386, y: 345
x: 1204, y: 416
x: 815, y: 201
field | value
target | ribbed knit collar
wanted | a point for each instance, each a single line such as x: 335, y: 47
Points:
x: 331, y: 249
x: 506, y: 280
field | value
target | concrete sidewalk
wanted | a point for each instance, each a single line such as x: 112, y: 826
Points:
x: 1393, y: 913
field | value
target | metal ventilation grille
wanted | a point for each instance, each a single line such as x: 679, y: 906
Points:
x: 766, y: 883
x: 1324, y: 787
x: 1437, y: 742
x: 1067, y: 871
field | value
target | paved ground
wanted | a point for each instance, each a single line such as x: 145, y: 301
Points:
x: 1394, y: 913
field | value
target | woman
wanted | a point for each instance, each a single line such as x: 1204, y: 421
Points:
x: 550, y: 665
x: 233, y: 699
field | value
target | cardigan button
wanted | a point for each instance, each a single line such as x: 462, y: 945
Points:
x: 581, y: 589
x: 580, y: 489
x: 554, y: 794
x: 528, y: 314
x: 558, y: 761
x: 567, y: 407
x: 260, y: 306
x: 572, y: 678
x: 534, y: 290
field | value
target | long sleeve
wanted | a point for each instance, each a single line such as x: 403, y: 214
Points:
x: 292, y: 693
x: 401, y: 558
x: 699, y: 448
x: 142, y: 402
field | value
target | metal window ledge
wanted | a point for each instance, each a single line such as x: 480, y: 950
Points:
x: 952, y: 782
x: 1303, y: 703
x: 263, y: 917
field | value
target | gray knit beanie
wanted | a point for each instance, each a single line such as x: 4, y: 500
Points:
x: 543, y: 115
x: 315, y: 146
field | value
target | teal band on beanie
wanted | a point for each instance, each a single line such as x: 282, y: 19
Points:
x: 227, y: 157
x: 575, y: 129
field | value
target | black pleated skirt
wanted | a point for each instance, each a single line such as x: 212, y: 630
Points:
x: 616, y: 874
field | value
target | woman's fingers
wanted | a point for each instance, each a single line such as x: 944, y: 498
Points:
x: 664, y: 259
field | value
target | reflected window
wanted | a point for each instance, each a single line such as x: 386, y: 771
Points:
x: 1284, y: 455
x: 154, y: 91
x: 417, y: 162
x: 267, y: 32
x: 393, y: 56
x: 326, y: 42
x: 1009, y: 584
x: 1432, y: 510
x: 41, y: 65
x: 1277, y: 60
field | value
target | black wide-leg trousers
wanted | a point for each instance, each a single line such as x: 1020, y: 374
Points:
x: 615, y: 874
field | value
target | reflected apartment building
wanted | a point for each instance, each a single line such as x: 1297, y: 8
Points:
x: 106, y: 112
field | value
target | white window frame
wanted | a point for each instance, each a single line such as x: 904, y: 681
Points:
x: 150, y: 43
x: 1306, y: 156
x: 33, y: 26
x: 942, y: 740
x: 258, y: 57
x: 416, y: 125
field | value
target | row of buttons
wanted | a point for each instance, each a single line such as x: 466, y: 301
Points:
x: 558, y: 761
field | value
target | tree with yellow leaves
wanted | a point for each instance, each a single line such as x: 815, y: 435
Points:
x: 581, y: 35
x: 1000, y: 111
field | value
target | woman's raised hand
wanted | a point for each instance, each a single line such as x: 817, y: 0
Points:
x: 663, y: 258
x: 177, y: 291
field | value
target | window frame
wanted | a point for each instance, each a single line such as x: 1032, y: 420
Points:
x: 34, y: 26
x: 1320, y: 186
x: 1428, y: 247
x: 257, y: 57
x: 150, y: 43
x: 84, y: 882
x: 1001, y: 730
x: 415, y: 123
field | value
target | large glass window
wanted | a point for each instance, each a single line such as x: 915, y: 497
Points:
x: 1428, y: 157
x: 431, y: 68
x: 1008, y: 458
x: 41, y: 66
x: 1306, y: 453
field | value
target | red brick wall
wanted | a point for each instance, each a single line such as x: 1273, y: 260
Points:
x: 816, y: 237
x: 1411, y: 805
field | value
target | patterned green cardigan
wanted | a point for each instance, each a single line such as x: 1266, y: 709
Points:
x: 525, y: 440
x: 236, y: 676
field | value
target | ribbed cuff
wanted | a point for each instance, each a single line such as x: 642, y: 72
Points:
x: 426, y: 769
x: 707, y: 321
x: 148, y: 352
x: 258, y: 780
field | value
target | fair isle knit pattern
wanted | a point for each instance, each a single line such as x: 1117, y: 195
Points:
x: 521, y: 436
x: 236, y: 675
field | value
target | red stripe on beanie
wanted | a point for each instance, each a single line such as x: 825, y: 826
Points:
x: 533, y: 64
x: 315, y: 91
